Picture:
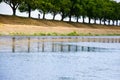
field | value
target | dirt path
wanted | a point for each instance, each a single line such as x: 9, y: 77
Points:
x: 30, y: 29
x: 12, y: 24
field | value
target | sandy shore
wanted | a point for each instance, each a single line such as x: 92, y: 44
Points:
x: 6, y: 29
x: 13, y: 24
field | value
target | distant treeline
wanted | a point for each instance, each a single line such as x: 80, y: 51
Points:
x: 106, y: 11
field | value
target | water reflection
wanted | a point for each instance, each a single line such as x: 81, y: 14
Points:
x: 53, y: 44
x: 58, y: 58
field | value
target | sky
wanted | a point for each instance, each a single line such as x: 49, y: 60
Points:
x: 117, y: 0
x: 5, y: 9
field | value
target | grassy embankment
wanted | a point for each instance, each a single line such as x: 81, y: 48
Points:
x: 12, y: 25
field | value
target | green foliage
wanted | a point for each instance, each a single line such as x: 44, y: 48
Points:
x: 44, y: 6
x: 64, y: 8
x: 39, y: 34
x: 54, y: 7
x: 73, y: 34
x: 58, y: 34
x: 18, y: 34
x: 46, y: 34
x: 102, y: 10
x: 28, y: 6
x: 23, y: 7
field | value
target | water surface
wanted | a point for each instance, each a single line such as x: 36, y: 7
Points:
x: 69, y: 60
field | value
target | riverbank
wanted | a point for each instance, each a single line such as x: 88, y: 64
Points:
x: 12, y: 25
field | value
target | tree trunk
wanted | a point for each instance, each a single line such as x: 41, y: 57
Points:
x: 14, y: 11
x: 29, y: 11
x: 14, y: 7
x: 116, y: 22
x: 94, y: 21
x: 43, y: 15
x: 29, y: 14
x: 108, y: 22
x: 104, y: 21
x: 54, y: 16
x: 70, y: 18
x: 77, y: 19
x: 100, y: 21
x: 89, y: 20
x: 62, y: 17
x: 83, y: 19
x: 113, y: 22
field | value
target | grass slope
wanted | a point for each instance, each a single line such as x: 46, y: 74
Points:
x: 13, y: 25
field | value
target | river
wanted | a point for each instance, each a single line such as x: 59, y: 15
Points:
x: 69, y: 60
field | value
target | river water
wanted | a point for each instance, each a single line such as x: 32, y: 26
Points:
x: 69, y: 60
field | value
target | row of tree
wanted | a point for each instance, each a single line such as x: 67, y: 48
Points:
x: 105, y: 11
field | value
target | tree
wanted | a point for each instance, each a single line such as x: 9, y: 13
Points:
x: 84, y: 9
x: 112, y: 14
x: 118, y: 14
x: 106, y: 11
x: 28, y: 6
x: 103, y: 10
x: 72, y: 10
x: 115, y: 12
x: 90, y: 6
x: 13, y: 4
x: 55, y: 9
x: 78, y: 11
x: 0, y: 1
x: 96, y: 10
x: 64, y: 8
x: 75, y: 9
x: 99, y: 10
x: 44, y: 7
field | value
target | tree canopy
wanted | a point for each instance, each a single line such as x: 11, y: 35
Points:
x: 28, y: 6
x: 104, y: 11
